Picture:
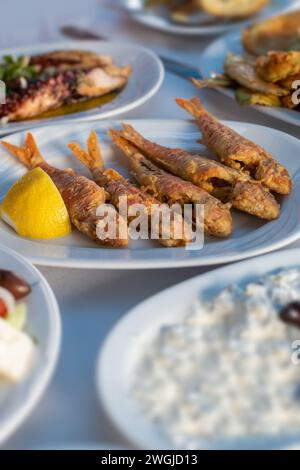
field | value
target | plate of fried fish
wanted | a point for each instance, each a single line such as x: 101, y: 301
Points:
x: 201, y: 17
x: 244, y: 177
x: 261, y: 68
x: 47, y: 84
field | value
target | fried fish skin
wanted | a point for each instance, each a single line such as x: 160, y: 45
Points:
x: 279, y: 33
x: 292, y: 84
x: 237, y: 151
x: 173, y: 190
x: 81, y: 196
x: 277, y: 66
x: 289, y: 82
x: 224, y: 183
x: 288, y: 102
x: 244, y: 73
x: 117, y: 187
x: 247, y: 97
x: 216, y: 81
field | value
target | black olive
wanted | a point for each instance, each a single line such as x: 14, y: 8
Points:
x: 290, y: 314
x: 14, y: 284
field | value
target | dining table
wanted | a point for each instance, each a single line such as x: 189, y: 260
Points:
x: 92, y: 301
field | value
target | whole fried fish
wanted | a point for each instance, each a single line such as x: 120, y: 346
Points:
x: 236, y: 151
x: 243, y: 72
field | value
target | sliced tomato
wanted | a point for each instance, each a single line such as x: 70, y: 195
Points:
x: 3, y: 309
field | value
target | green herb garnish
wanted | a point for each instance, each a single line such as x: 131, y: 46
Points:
x: 11, y: 68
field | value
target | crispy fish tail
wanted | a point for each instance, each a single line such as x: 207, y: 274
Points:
x: 93, y: 157
x: 28, y: 154
x: 93, y: 160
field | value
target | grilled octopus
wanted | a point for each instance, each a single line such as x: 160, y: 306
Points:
x: 62, y: 77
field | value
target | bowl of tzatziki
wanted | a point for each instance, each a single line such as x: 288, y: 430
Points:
x: 213, y: 362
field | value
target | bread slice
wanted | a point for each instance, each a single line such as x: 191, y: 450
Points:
x: 280, y: 33
x: 233, y: 8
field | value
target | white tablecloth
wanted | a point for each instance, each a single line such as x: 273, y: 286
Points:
x: 91, y: 302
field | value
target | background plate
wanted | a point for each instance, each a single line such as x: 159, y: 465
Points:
x: 207, y: 24
x: 212, y: 60
x: 250, y: 237
x: 146, y: 79
x: 122, y: 348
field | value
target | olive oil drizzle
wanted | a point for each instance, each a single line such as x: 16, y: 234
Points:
x: 78, y: 107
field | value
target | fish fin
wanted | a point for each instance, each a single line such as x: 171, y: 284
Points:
x: 18, y: 152
x: 193, y: 106
x: 112, y: 175
x: 92, y: 157
x: 80, y: 154
x: 94, y: 150
x: 216, y: 81
x: 70, y: 171
x: 33, y: 150
x: 28, y: 154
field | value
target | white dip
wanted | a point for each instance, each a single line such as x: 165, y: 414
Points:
x: 224, y: 370
x: 16, y: 353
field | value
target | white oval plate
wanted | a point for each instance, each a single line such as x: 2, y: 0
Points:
x: 250, y: 237
x: 146, y: 79
x: 212, y: 60
x: 123, y: 347
x: 17, y: 401
x: 207, y: 25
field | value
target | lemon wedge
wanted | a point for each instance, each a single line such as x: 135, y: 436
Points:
x: 34, y: 208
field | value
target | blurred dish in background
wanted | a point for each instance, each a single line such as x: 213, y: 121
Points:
x: 199, y: 17
x: 261, y: 68
x: 207, y: 365
x: 280, y: 33
x: 182, y: 11
x: 58, y: 82
x: 53, y: 83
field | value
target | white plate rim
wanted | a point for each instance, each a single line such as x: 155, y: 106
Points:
x: 282, y: 114
x: 80, y: 116
x: 55, y: 339
x: 106, y: 385
x: 160, y: 263
x: 173, y: 28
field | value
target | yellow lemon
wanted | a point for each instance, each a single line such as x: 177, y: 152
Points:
x: 34, y: 207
